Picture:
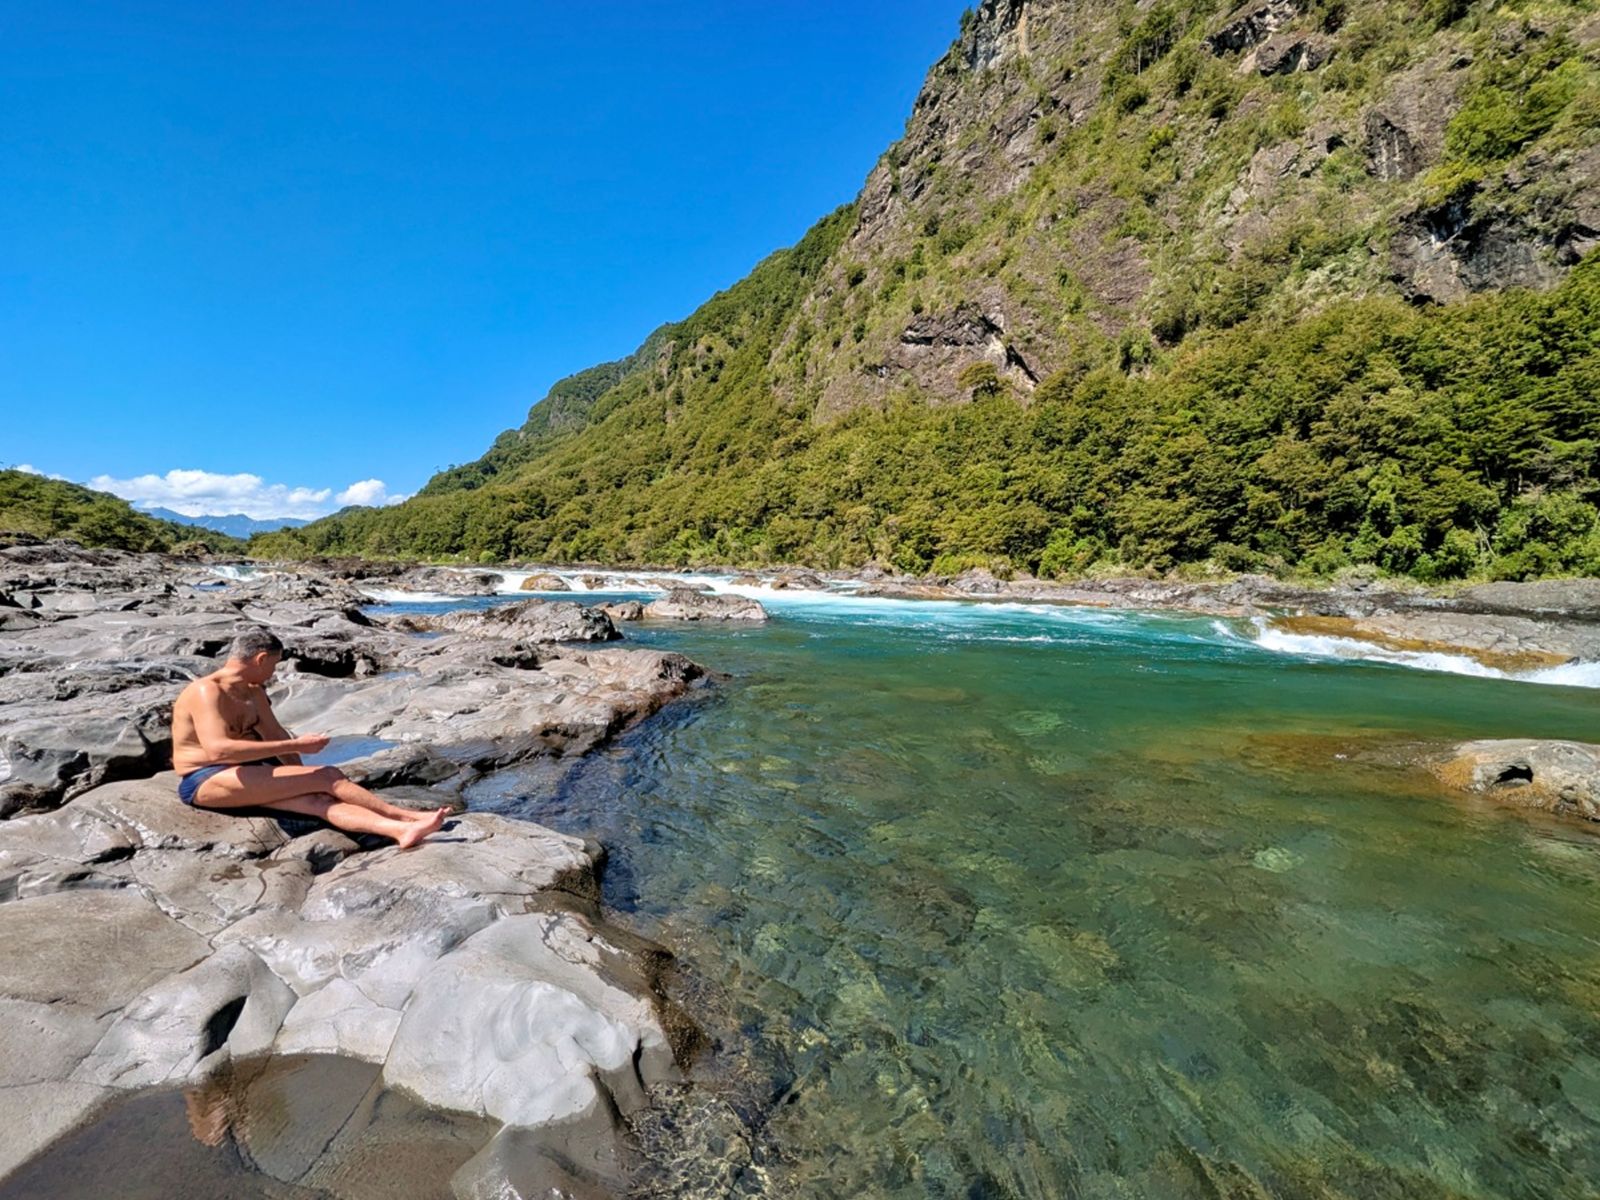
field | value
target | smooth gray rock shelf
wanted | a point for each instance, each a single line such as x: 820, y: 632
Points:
x: 149, y: 945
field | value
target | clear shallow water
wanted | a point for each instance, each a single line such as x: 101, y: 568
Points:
x: 1080, y: 903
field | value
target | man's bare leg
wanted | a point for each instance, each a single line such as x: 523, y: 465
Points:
x: 357, y: 818
x: 246, y: 786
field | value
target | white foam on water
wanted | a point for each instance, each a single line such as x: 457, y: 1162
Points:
x: 1578, y: 674
x: 964, y: 620
x: 401, y: 596
x: 236, y: 571
x: 1325, y: 646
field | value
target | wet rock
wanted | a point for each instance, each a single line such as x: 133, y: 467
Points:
x: 806, y: 580
x: 1513, y: 644
x: 682, y: 604
x: 625, y: 610
x: 545, y: 583
x: 1558, y: 777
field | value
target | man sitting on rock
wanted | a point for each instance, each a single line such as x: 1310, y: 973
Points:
x: 230, y: 752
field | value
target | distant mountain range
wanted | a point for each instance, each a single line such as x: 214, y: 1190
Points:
x: 233, y: 524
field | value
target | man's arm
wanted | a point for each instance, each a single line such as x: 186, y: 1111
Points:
x: 268, y: 726
x: 221, y: 747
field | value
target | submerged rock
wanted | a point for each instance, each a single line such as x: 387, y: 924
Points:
x: 1558, y: 777
x: 683, y: 604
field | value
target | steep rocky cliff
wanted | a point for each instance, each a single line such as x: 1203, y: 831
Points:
x: 1108, y: 221
x: 1073, y: 172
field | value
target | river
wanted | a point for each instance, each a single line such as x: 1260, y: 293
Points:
x: 1049, y: 902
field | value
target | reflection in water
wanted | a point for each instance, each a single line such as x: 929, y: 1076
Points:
x: 310, y: 1127
x: 207, y: 1107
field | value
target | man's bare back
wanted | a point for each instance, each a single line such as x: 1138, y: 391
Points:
x: 230, y: 752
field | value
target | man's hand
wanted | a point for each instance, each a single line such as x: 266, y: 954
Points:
x: 311, y: 743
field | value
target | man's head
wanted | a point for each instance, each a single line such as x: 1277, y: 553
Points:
x: 257, y: 650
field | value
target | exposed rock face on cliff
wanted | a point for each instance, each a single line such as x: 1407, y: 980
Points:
x: 1069, y: 173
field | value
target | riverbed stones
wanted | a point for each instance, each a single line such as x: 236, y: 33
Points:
x: 683, y: 604
x: 1555, y: 776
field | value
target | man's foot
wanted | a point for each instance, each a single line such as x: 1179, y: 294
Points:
x: 417, y: 830
x: 423, y: 814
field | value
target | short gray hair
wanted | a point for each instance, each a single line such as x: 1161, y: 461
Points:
x: 254, y: 640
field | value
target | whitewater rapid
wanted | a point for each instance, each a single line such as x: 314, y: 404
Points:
x: 1013, y: 621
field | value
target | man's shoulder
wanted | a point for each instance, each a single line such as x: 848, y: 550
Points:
x: 205, y: 686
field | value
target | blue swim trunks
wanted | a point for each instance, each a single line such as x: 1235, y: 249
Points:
x: 190, y: 783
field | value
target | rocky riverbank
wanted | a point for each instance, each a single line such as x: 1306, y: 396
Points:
x: 150, y: 944
x: 1510, y: 626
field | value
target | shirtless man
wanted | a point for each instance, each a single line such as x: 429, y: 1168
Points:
x: 230, y: 752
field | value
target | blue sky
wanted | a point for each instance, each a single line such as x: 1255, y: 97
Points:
x: 290, y: 248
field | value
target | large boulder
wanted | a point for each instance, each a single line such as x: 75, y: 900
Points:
x: 683, y: 604
x: 1575, y: 598
x: 85, y: 697
x: 1558, y: 777
x: 545, y: 583
x: 533, y: 620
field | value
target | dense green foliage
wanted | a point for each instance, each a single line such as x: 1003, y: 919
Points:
x: 1435, y: 442
x: 1230, y: 379
x: 44, y: 507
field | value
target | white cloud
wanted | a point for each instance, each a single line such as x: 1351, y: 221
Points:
x: 33, y: 470
x: 207, y: 493
x: 371, y: 492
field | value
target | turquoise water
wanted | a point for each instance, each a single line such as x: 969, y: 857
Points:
x: 1069, y: 903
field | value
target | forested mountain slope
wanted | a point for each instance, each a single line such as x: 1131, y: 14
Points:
x: 1292, y: 285
x: 42, y: 507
